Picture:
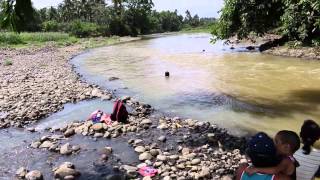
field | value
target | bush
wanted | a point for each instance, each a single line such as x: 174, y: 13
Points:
x: 50, y: 26
x: 10, y: 38
x: 83, y: 29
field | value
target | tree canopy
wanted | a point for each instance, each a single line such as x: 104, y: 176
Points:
x: 296, y: 19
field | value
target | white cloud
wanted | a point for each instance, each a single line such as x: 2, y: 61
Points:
x: 204, y: 8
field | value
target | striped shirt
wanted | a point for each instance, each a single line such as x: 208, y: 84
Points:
x: 309, y: 164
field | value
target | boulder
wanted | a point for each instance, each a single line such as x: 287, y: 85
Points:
x: 34, y: 175
x: 64, y: 170
x: 66, y: 149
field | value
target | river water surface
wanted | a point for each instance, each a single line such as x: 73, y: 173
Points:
x: 241, y: 91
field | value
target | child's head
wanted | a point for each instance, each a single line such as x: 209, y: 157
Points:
x: 287, y: 142
x: 310, y: 133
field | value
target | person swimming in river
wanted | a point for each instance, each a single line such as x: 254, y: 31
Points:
x: 287, y: 143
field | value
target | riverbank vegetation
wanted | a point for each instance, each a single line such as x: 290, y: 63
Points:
x: 74, y: 19
x: 295, y: 20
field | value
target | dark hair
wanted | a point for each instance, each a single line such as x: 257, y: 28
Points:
x: 291, y: 138
x: 261, y: 151
x: 310, y: 133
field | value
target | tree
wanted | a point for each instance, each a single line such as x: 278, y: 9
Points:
x: 18, y: 15
x: 137, y: 16
x: 296, y: 19
x: 239, y: 17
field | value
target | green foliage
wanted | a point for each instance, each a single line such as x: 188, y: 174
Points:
x: 18, y: 15
x: 241, y: 18
x: 94, y: 18
x: 7, y: 62
x: 82, y: 29
x: 296, y: 19
x: 10, y: 38
x: 50, y: 26
x: 301, y: 20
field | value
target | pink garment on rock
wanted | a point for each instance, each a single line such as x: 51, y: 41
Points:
x: 148, y: 171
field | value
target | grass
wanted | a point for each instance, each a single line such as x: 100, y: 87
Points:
x: 98, y: 41
x: 10, y: 39
x: 7, y: 62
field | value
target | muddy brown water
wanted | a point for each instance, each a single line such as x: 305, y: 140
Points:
x: 241, y: 91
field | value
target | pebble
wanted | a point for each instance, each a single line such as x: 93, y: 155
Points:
x: 46, y: 144
x: 195, y: 161
x: 145, y: 156
x: 69, y: 132
x: 162, y: 138
x: 140, y: 149
x: 161, y: 158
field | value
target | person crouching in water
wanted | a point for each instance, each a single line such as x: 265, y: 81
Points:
x: 287, y: 143
x: 308, y: 156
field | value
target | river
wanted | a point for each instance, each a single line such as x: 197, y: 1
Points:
x: 241, y: 91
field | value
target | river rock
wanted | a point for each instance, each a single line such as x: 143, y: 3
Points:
x: 167, y: 178
x: 146, y: 122
x: 205, y: 172
x: 113, y: 78
x: 162, y: 138
x: 107, y: 150
x: 195, y: 161
x: 98, y: 135
x: 97, y: 127
x: 35, y: 144
x: 157, y: 164
x: 140, y: 149
x: 31, y: 129
x: 65, y: 149
x: 147, y: 178
x: 69, y: 132
x: 21, y: 172
x: 107, y: 135
x: 228, y: 177
x: 145, y: 156
x: 46, y: 144
x: 185, y: 151
x: 64, y: 170
x: 154, y: 152
x: 161, y: 158
x: 129, y: 168
x: 163, y: 126
x: 34, y: 175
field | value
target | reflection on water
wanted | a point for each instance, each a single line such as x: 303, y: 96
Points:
x: 239, y: 91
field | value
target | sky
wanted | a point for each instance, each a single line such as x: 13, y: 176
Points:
x: 204, y: 8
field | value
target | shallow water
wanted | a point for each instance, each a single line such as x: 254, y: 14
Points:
x: 15, y: 151
x: 240, y: 91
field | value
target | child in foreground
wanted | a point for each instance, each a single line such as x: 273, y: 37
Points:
x: 287, y: 143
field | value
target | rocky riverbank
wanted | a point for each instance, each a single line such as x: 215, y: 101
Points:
x: 36, y: 82
x: 177, y: 148
x: 40, y: 81
x: 299, y: 52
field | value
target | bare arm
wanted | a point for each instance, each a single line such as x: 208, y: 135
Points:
x: 281, y: 168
